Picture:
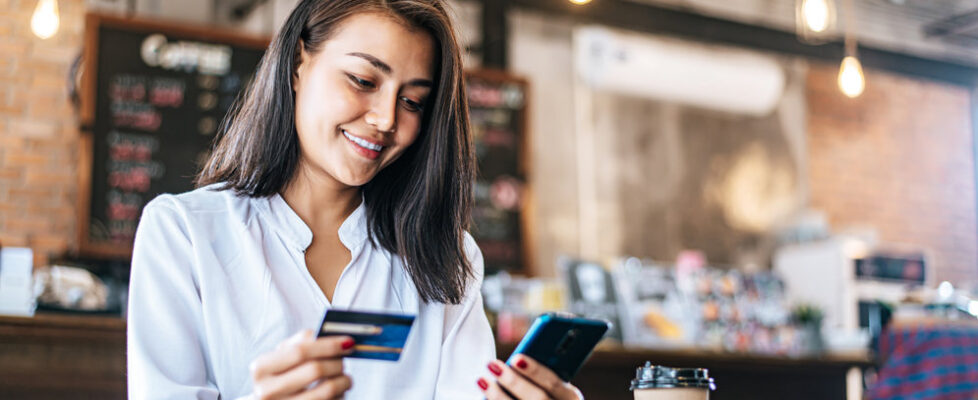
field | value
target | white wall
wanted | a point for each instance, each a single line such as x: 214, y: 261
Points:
x: 541, y: 50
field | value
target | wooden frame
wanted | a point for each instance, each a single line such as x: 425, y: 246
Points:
x: 93, y: 23
x: 527, y: 214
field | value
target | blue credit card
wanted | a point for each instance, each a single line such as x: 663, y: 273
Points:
x: 377, y: 336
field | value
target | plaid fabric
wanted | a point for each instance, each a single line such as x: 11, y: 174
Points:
x: 927, y: 362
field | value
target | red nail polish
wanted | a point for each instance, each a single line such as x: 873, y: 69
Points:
x: 347, y: 344
x: 521, y: 363
x: 483, y: 384
x: 495, y: 369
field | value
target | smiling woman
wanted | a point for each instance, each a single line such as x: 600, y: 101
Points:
x: 374, y: 110
x: 342, y: 179
x: 363, y: 72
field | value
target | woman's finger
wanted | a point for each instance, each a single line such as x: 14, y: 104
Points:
x: 514, y: 383
x: 332, y: 388
x: 491, y: 389
x: 293, y: 353
x: 298, y: 378
x: 544, y: 378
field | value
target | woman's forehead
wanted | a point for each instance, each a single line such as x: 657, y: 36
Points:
x: 409, y: 52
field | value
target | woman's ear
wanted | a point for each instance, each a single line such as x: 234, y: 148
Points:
x: 299, y: 60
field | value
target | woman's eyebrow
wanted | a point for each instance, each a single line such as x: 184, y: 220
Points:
x: 386, y: 69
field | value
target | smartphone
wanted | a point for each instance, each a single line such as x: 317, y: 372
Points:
x: 562, y: 343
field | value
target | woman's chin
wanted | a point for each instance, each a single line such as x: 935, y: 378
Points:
x: 357, y: 180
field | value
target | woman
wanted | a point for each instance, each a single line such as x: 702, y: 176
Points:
x: 341, y: 179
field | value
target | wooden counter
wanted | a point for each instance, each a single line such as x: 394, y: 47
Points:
x: 53, y: 356
x: 607, y: 374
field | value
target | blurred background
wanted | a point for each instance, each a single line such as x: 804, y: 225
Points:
x: 783, y: 191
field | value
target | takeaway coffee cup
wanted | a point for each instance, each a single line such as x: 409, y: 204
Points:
x: 655, y: 382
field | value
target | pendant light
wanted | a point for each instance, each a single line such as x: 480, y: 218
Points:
x: 45, y: 20
x: 814, y: 20
x: 852, y: 82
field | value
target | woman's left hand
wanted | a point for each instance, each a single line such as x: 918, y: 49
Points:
x: 528, y: 379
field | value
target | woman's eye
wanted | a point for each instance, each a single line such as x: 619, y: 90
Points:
x: 412, y: 105
x: 361, y: 82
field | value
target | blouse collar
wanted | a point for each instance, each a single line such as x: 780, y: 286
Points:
x: 352, y: 232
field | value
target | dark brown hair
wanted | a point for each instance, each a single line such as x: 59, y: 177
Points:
x: 419, y: 206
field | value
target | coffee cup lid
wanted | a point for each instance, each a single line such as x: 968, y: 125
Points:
x: 657, y: 376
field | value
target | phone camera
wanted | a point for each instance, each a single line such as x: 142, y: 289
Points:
x: 567, y: 341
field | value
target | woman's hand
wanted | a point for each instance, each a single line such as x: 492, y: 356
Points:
x: 528, y: 380
x: 298, y: 363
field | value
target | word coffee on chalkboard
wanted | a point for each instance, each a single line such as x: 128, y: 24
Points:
x: 157, y: 94
x: 497, y: 110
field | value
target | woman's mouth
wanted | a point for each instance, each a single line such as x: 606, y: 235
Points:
x: 366, y: 148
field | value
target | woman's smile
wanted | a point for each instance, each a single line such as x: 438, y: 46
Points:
x: 367, y: 148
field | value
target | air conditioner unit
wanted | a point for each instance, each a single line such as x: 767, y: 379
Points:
x: 667, y: 69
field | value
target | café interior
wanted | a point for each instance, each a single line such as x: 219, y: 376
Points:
x: 780, y: 192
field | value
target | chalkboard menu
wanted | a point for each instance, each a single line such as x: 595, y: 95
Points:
x: 497, y: 103
x: 155, y: 95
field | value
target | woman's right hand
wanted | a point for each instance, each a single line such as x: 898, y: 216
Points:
x: 300, y: 361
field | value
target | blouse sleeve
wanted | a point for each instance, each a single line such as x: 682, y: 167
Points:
x: 165, y: 346
x: 468, y: 346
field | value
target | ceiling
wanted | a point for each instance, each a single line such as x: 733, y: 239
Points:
x: 939, y: 29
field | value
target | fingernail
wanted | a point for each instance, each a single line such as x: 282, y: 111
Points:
x: 483, y: 384
x: 347, y: 344
x: 495, y: 369
x: 521, y: 363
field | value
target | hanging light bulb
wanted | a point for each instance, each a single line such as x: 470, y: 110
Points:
x: 814, y: 19
x: 580, y: 1
x: 816, y: 14
x: 852, y: 82
x: 45, y: 20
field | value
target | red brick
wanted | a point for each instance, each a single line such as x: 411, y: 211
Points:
x: 9, y: 208
x: 27, y: 225
x: 899, y: 159
x: 35, y: 194
x: 15, y: 49
x: 49, y: 110
x: 10, y: 142
x: 34, y: 128
x: 23, y: 159
x: 12, y: 239
x: 62, y: 178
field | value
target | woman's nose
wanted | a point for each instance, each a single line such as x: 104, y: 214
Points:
x: 383, y: 113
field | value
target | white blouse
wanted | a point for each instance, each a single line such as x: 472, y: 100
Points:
x: 219, y: 279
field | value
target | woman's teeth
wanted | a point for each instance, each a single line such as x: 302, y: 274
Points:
x: 363, y: 143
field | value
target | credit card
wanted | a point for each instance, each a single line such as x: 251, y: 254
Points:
x: 377, y: 336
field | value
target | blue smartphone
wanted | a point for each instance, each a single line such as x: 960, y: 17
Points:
x: 562, y: 343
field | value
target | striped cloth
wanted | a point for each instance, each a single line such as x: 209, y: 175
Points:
x: 927, y: 362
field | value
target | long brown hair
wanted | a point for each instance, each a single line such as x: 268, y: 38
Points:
x: 419, y: 206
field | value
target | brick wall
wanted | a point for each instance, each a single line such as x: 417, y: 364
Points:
x: 38, y: 130
x: 900, y: 158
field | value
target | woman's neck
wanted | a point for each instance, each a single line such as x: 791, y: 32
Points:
x: 321, y: 201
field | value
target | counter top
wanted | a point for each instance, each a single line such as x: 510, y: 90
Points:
x: 61, y: 356
x: 607, y: 373
x: 52, y: 355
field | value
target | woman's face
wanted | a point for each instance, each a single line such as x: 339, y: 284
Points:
x: 359, y: 99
